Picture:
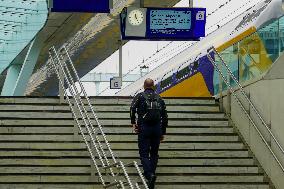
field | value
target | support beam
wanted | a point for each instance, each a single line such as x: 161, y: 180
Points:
x: 97, y: 88
x: 138, y: 3
x: 228, y: 108
x: 120, y: 59
x: 10, y: 81
x: 120, y: 62
x: 141, y: 3
x: 191, y: 3
x: 28, y: 66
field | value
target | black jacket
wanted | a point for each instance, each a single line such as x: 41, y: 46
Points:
x: 136, y: 107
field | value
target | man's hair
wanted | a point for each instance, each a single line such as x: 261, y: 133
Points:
x: 148, y: 84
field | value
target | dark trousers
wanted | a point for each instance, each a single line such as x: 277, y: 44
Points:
x: 148, y: 143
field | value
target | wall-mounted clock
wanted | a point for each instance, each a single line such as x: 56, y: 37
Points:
x: 136, y: 17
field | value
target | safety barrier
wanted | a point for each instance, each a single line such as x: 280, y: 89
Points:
x: 232, y: 91
x: 103, y: 158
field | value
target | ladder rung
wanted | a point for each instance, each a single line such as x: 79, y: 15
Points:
x: 111, y: 184
x: 129, y: 164
x: 112, y: 165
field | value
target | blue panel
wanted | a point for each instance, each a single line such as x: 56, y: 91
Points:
x: 81, y: 6
x: 172, y: 24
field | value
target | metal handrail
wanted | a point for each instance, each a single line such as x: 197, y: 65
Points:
x: 212, y: 49
x: 99, y: 147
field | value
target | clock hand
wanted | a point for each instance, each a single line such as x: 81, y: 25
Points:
x: 136, y: 17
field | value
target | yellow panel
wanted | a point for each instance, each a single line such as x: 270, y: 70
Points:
x: 194, y: 86
x: 260, y: 63
x: 237, y: 39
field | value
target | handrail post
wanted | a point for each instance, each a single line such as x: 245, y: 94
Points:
x: 61, y: 90
x: 228, y: 107
x: 93, y: 174
x: 75, y: 128
x: 220, y: 90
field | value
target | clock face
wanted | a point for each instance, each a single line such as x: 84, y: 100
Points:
x: 135, y: 17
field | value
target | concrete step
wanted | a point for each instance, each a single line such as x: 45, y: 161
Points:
x: 112, y: 130
x: 158, y: 186
x: 246, y: 178
x: 170, y: 108
x: 22, y: 158
x: 116, y: 138
x: 176, y: 130
x: 128, y: 153
x: 130, y: 170
x: 104, y: 101
x: 103, y: 115
x: 189, y: 153
x: 120, y: 145
x: 106, y: 122
x: 102, y: 108
x: 38, y: 148
x: 206, y: 178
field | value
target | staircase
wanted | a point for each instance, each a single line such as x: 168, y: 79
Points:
x: 40, y: 148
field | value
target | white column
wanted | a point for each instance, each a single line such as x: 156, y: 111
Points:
x: 120, y: 59
x: 97, y: 85
x: 191, y: 3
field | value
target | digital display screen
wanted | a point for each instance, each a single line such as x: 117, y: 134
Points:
x: 167, y: 24
x: 164, y: 21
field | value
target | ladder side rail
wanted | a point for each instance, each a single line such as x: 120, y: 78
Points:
x: 77, y: 103
x: 85, y: 111
x: 89, y: 104
x: 82, y: 115
x: 96, y: 118
x: 79, y: 125
x: 140, y: 173
x: 99, y: 125
x: 77, y: 96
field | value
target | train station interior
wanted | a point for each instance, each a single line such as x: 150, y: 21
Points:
x: 70, y: 71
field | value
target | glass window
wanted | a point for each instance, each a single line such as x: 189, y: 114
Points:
x: 230, y: 57
x: 20, y: 21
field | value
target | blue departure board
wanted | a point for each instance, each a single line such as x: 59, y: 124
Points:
x: 92, y: 6
x: 168, y: 24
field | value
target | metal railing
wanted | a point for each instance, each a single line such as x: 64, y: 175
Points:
x: 110, y: 171
x: 232, y: 91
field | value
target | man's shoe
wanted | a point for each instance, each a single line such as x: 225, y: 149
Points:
x: 152, y: 181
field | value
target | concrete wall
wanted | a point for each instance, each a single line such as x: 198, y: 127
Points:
x: 267, y: 95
